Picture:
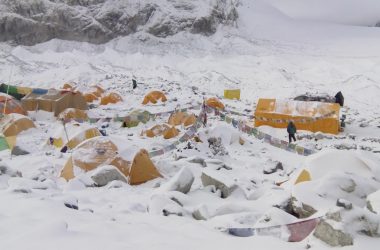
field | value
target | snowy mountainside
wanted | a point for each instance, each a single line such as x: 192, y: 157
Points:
x: 30, y: 22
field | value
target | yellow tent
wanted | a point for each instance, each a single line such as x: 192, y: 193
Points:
x: 73, y: 134
x: 102, y: 151
x: 232, y: 94
x: 312, y: 116
x: 154, y: 96
x: 73, y: 114
x: 13, y: 124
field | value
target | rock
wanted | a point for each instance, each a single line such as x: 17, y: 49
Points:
x: 344, y: 203
x: 221, y: 182
x: 105, y: 174
x: 201, y: 213
x: 180, y: 182
x: 197, y: 160
x: 5, y: 170
x: 373, y: 202
x: 331, y: 236
x: 301, y: 209
x: 350, y: 187
x: 17, y: 150
x: 215, y: 164
x: 163, y: 205
x: 272, y: 168
x: 216, y: 146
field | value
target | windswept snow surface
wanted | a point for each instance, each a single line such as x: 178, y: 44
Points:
x: 276, y: 49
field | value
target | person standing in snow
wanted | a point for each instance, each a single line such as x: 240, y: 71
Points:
x: 292, y: 130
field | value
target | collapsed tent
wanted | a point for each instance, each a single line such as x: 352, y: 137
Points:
x: 165, y: 130
x: 72, y: 134
x: 110, y: 98
x: 332, y: 161
x: 312, y: 116
x: 13, y: 124
x: 135, y: 117
x: 54, y: 101
x: 154, y: 96
x: 73, y: 114
x: 214, y: 102
x: 101, y: 151
x: 8, y: 105
x: 15, y: 91
x: 184, y: 118
x: 232, y: 94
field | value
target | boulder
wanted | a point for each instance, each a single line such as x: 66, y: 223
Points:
x: 17, y: 150
x: 301, y: 209
x: 105, y: 174
x: 373, y: 202
x: 215, y: 164
x: 180, y: 182
x: 273, y: 167
x: 219, y: 180
x: 5, y: 170
x: 331, y: 236
x: 201, y: 213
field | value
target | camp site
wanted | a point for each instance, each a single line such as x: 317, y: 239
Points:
x: 203, y: 124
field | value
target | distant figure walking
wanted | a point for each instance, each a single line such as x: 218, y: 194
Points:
x: 134, y: 84
x: 292, y: 130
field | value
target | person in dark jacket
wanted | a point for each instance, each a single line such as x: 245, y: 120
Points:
x: 292, y: 130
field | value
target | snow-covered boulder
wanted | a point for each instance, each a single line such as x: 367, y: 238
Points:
x: 219, y: 180
x: 6, y: 170
x: 180, y: 182
x: 373, y: 202
x: 161, y: 204
x: 105, y: 174
x: 339, y: 227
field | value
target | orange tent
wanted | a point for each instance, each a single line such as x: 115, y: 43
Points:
x: 90, y: 97
x: 68, y: 86
x: 214, y: 103
x: 9, y: 104
x: 101, y: 151
x: 179, y: 118
x: 111, y: 98
x: 156, y: 130
x: 312, y: 116
x: 13, y: 124
x: 154, y: 96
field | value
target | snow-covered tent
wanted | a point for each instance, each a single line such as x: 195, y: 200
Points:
x: 312, y: 116
x: 101, y: 151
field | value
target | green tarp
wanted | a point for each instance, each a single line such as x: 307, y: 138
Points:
x: 12, y: 91
x: 3, y: 143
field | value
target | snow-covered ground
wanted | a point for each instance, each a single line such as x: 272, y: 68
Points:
x: 276, y: 49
